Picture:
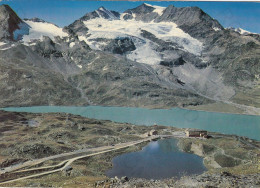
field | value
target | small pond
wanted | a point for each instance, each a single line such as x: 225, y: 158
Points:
x: 158, y: 160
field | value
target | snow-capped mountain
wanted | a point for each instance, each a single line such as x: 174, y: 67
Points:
x: 150, y: 34
x: 146, y: 56
x: 100, y: 30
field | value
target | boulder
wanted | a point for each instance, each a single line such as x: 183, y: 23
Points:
x: 124, y: 179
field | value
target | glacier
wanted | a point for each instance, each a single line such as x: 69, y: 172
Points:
x: 120, y: 28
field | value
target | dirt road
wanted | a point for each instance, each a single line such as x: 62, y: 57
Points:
x: 65, y: 163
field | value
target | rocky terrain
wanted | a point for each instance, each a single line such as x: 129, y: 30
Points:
x: 223, y: 179
x: 230, y: 160
x: 178, y: 57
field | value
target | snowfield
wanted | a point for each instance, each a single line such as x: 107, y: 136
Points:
x: 39, y: 29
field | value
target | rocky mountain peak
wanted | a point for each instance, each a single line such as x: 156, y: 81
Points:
x: 9, y: 22
x: 78, y: 26
x: 192, y: 20
x: 144, y: 12
x: 102, y: 9
x: 142, y: 9
x: 185, y: 15
x: 107, y: 14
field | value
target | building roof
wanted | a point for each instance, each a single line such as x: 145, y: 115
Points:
x: 196, y: 130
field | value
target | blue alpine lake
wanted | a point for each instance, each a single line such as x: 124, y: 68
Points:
x: 242, y: 125
x: 157, y: 160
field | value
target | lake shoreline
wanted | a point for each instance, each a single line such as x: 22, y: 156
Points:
x: 191, y: 107
x: 177, y: 117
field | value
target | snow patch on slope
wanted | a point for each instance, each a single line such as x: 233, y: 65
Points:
x: 241, y: 31
x: 122, y: 16
x: 40, y: 29
x: 92, y: 44
x: 80, y: 66
x: 216, y: 28
x: 2, y: 43
x: 144, y: 53
x: 99, y: 15
x: 6, y: 46
x: 169, y: 31
x: 72, y: 44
